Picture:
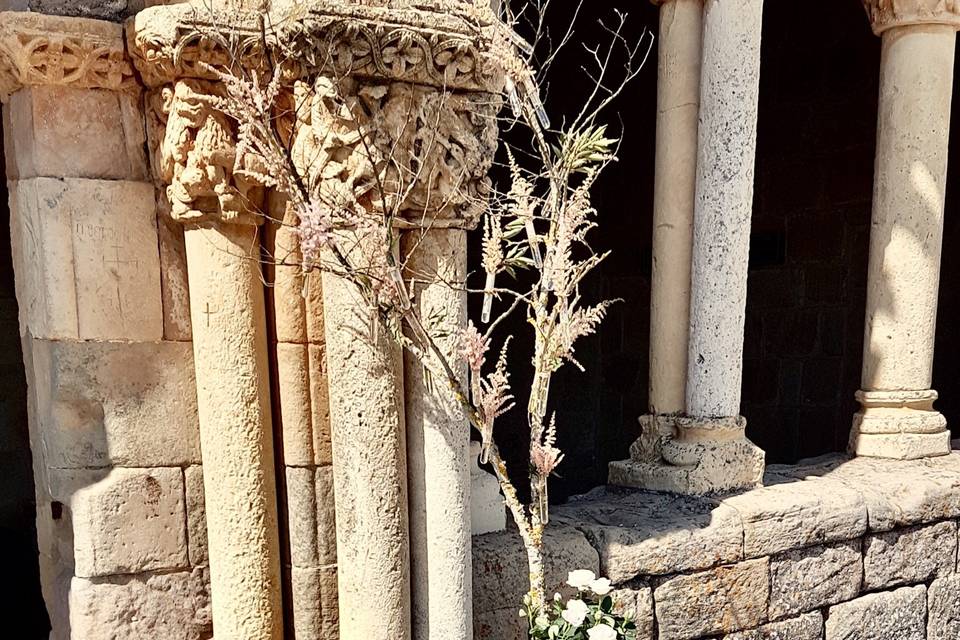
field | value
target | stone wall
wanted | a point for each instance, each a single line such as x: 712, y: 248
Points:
x: 113, y: 426
x: 830, y: 549
x: 17, y: 507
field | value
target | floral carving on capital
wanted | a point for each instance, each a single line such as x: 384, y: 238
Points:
x: 37, y: 49
x: 886, y: 14
x: 413, y: 150
x: 447, y: 49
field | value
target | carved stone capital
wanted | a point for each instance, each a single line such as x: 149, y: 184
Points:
x: 37, y: 49
x: 443, y: 45
x: 195, y: 155
x: 886, y: 14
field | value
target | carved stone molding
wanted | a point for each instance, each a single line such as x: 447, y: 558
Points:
x: 37, y: 49
x: 445, y: 45
x: 886, y: 14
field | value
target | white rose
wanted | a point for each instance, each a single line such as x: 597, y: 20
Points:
x: 581, y: 578
x: 601, y: 586
x: 602, y: 632
x: 575, y: 612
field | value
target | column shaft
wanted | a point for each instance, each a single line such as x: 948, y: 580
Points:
x: 370, y: 470
x: 438, y: 446
x: 678, y: 100
x: 230, y: 354
x: 916, y: 86
x: 724, y: 198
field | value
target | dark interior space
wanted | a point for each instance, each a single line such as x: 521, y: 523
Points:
x: 18, y: 536
x: 808, y: 256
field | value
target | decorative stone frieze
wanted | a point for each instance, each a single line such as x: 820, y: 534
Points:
x: 38, y: 49
x: 886, y: 14
x: 447, y: 47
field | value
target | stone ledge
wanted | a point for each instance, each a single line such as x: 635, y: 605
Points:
x: 817, y: 529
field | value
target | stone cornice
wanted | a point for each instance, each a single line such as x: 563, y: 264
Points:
x: 886, y: 14
x: 37, y: 49
x: 422, y: 46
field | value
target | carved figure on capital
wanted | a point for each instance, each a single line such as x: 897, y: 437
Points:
x: 198, y: 159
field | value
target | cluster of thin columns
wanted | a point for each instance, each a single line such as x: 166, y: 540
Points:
x: 693, y: 438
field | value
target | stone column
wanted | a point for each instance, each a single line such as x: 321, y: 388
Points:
x: 230, y: 355
x: 897, y: 418
x: 370, y: 481
x: 438, y: 445
x: 194, y: 152
x: 709, y: 451
x: 678, y: 102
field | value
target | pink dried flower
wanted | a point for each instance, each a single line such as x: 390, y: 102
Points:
x: 473, y: 348
x: 315, y: 231
x: 545, y: 458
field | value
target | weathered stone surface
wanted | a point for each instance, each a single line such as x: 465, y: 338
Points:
x: 636, y: 601
x: 788, y: 515
x: 86, y: 259
x: 500, y: 576
x: 943, y: 608
x: 807, y: 579
x: 909, y: 555
x: 175, y: 290
x: 60, y: 131
x: 502, y: 624
x: 932, y: 492
x: 304, y: 404
x: 131, y: 521
x: 805, y: 627
x: 644, y: 533
x: 889, y: 615
x: 196, y: 516
x: 314, y: 602
x: 110, y: 403
x: 312, y: 521
x: 722, y: 600
x: 114, y: 10
x: 172, y: 606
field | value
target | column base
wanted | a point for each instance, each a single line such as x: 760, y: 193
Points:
x: 706, y: 456
x: 901, y: 425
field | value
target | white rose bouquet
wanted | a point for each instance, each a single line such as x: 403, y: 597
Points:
x: 587, y: 616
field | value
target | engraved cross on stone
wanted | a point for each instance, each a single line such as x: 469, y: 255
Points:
x: 117, y: 261
x: 207, y: 311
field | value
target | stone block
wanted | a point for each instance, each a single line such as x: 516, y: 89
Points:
x: 805, y: 627
x: 502, y: 624
x: 304, y: 404
x: 174, y: 288
x: 789, y: 515
x: 636, y: 601
x: 312, y: 519
x: 131, y: 521
x: 320, y: 405
x: 108, y: 403
x: 86, y: 259
x: 500, y: 576
x: 65, y: 132
x: 171, y: 606
x: 888, y: 615
x: 314, y: 602
x: 909, y: 555
x: 943, y: 608
x: 196, y: 516
x: 931, y: 494
x: 806, y: 579
x: 722, y: 600
x: 487, y: 510
x: 645, y: 533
